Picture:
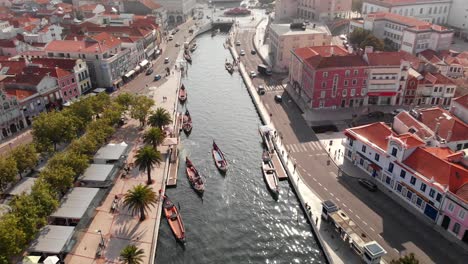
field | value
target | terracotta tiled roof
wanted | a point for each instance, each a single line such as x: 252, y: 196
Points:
x: 410, y: 141
x: 94, y: 44
x: 66, y: 64
x: 408, y: 21
x: 410, y: 122
x: 390, y: 3
x: 88, y: 7
x: 447, y: 124
x: 60, y: 73
x: 324, y: 51
x: 150, y: 4
x: 329, y: 57
x: 462, y: 192
x: 19, y: 94
x: 436, y: 78
x: 385, y: 58
x: 375, y: 133
x: 462, y: 100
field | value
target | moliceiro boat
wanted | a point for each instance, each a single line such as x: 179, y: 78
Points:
x: 174, y: 219
x: 187, y: 122
x: 195, y: 179
x: 271, y: 178
x: 182, y: 94
x: 219, y: 159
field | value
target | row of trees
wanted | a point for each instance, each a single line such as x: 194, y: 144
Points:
x: 85, y: 126
x: 362, y: 38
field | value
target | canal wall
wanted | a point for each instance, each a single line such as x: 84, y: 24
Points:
x: 292, y: 175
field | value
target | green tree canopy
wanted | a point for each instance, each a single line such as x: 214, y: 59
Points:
x: 8, y: 171
x: 27, y: 211
x: 59, y: 177
x: 12, y: 237
x: 25, y: 157
x: 358, y: 36
x: 45, y: 197
x: 373, y: 41
x: 356, y: 6
x: 146, y: 158
x: 154, y: 137
x: 161, y: 117
x: 141, y: 108
x: 139, y: 200
x: 77, y: 161
x: 407, y: 259
x: 125, y: 100
x: 132, y: 255
x: 53, y: 128
x: 86, y: 145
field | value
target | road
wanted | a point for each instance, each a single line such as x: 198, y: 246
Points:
x: 385, y: 221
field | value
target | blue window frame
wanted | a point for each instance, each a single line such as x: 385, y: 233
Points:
x: 419, y: 201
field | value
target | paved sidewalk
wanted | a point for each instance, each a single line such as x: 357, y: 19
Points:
x: 260, y: 42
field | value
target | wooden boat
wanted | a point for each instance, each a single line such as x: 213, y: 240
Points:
x: 194, y: 47
x: 266, y: 133
x: 174, y: 219
x: 187, y: 122
x: 187, y: 57
x: 194, y: 177
x: 182, y: 94
x: 271, y: 178
x: 229, y: 67
x: 266, y: 157
x: 219, y: 159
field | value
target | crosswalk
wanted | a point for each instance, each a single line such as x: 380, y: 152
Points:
x: 278, y: 87
x: 304, y: 147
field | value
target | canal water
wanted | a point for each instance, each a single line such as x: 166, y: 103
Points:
x: 237, y: 221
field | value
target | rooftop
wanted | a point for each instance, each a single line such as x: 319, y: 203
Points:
x: 462, y: 100
x: 444, y: 124
x: 411, y: 123
x: 285, y: 30
x: 24, y: 186
x: 320, y: 57
x: 410, y: 22
x: 390, y: 3
x: 376, y: 134
x: 52, y: 239
x: 391, y: 58
x: 75, y: 203
x: 110, y: 152
x: 97, y: 172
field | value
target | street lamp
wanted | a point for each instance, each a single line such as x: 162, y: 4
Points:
x: 101, y: 244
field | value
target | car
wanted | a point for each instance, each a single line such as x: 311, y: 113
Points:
x: 170, y: 38
x: 176, y: 30
x: 157, y: 77
x: 242, y: 52
x: 149, y: 71
x: 177, y: 44
x: 397, y: 111
x: 253, y: 52
x: 343, y: 37
x: 369, y: 185
x: 166, y: 60
x: 238, y: 43
x: 278, y: 98
x: 261, y: 90
x: 253, y: 74
x: 376, y: 114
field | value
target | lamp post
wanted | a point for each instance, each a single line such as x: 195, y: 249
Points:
x: 101, y: 244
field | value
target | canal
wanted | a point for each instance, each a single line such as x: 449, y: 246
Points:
x: 237, y: 221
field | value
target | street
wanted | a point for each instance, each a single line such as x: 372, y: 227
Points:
x: 384, y: 220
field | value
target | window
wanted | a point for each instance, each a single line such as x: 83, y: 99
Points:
x: 409, y: 195
x: 354, y: 81
x: 431, y: 193
x: 413, y: 180
x: 402, y: 174
x: 347, y: 72
x: 423, y: 187
x: 325, y: 74
x: 419, y: 202
x: 439, y: 197
x: 450, y: 207
x: 377, y: 157
x: 346, y: 83
x: 461, y: 214
x: 363, y: 92
x: 399, y: 187
x: 344, y: 93
x: 421, y: 11
x: 363, y: 149
x: 361, y: 161
x: 323, y: 94
x: 390, y: 167
x: 456, y: 228
x: 356, y: 72
x: 324, y: 84
x: 353, y: 92
x: 394, y: 152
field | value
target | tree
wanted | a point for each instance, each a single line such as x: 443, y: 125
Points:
x: 389, y: 45
x: 82, y: 111
x: 161, y: 117
x: 407, y: 259
x: 356, y: 6
x: 53, y: 128
x: 146, y: 158
x: 45, y: 197
x: 141, y: 108
x: 25, y: 157
x: 139, y: 199
x: 76, y: 161
x: 358, y: 36
x: 8, y: 171
x: 59, y: 177
x: 12, y: 237
x: 132, y: 255
x: 154, y: 136
x: 85, y: 145
x: 100, y: 102
x: 27, y: 212
x: 125, y: 100
x: 373, y: 41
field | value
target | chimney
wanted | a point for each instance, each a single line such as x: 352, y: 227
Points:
x: 437, y: 127
x: 368, y: 49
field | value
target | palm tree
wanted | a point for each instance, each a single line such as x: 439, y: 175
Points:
x: 132, y: 255
x: 160, y: 118
x: 139, y: 199
x: 146, y: 158
x: 154, y: 136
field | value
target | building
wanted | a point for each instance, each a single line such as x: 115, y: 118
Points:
x: 178, y: 11
x: 107, y: 61
x: 406, y: 33
x: 286, y: 37
x: 459, y: 107
x: 433, y: 11
x: 448, y: 63
x: 147, y: 7
x: 323, y: 10
x: 11, y: 116
x: 328, y: 77
x: 457, y: 17
x: 435, y: 89
x: 43, y: 35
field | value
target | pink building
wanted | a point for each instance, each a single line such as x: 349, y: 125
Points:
x: 68, y: 85
x: 328, y: 77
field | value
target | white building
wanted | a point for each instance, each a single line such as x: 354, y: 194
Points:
x: 286, y: 37
x: 43, y: 35
x: 459, y: 107
x: 406, y: 33
x: 323, y: 10
x: 178, y: 10
x: 458, y: 16
x: 433, y: 11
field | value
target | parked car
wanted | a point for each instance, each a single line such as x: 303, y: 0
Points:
x: 157, y: 77
x: 278, y: 98
x: 166, y: 60
x: 253, y: 74
x: 253, y: 52
x: 177, y: 44
x: 397, y: 111
x: 242, y: 52
x: 149, y: 71
x: 369, y: 185
x: 261, y: 90
x: 170, y: 38
x: 238, y: 43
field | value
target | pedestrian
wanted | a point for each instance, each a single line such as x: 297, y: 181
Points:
x: 316, y: 220
x: 295, y: 165
x: 339, y: 150
x: 329, y: 149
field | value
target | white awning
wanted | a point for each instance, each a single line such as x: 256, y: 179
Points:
x: 130, y: 73
x: 137, y: 68
x: 144, y: 63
